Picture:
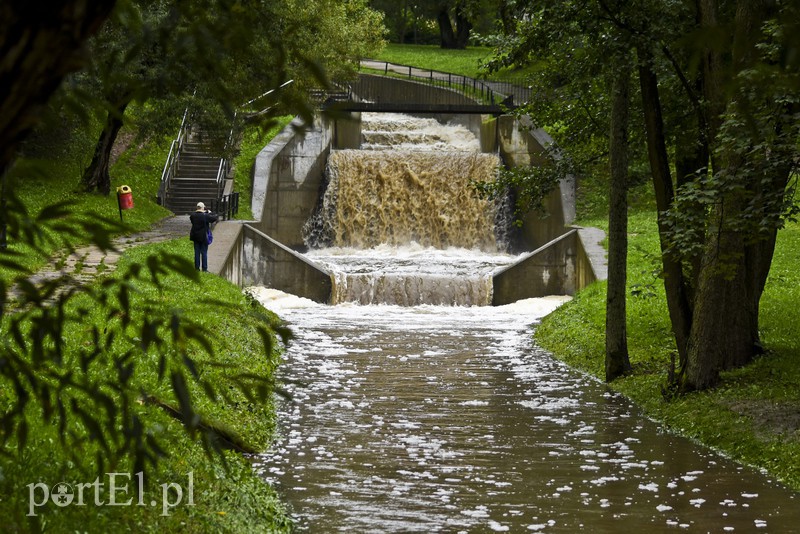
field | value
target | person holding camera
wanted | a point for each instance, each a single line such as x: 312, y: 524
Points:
x: 201, y: 219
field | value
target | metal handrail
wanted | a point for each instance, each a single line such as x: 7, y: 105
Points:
x: 173, y: 157
x: 259, y: 97
x: 493, y: 91
x: 172, y: 160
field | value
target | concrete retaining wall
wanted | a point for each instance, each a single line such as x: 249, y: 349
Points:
x: 286, y: 181
x: 520, y: 144
x: 266, y: 262
x: 559, y: 267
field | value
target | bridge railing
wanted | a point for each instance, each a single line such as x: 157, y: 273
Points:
x: 492, y: 92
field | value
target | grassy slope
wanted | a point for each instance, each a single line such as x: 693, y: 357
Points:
x: 754, y: 415
x: 235, y: 500
x: 464, y: 62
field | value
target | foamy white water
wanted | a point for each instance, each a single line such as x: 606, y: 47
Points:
x: 411, y: 274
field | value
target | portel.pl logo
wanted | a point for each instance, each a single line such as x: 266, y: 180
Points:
x: 118, y: 490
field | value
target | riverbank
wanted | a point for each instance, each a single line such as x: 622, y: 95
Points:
x: 218, y: 492
x: 754, y: 415
x: 206, y: 493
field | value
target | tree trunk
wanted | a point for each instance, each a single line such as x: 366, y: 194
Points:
x: 725, y: 323
x: 96, y: 177
x: 735, y: 265
x: 38, y: 47
x: 446, y: 33
x: 507, y: 18
x: 617, y: 360
x: 678, y: 303
x: 463, y: 27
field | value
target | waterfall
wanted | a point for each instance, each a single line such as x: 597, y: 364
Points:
x: 406, y: 201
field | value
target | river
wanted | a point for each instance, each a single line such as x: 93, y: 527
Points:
x: 417, y: 407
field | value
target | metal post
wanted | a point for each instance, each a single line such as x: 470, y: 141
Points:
x: 3, y: 212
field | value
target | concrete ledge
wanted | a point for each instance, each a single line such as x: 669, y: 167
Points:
x: 594, y: 253
x: 224, y: 254
x: 266, y: 262
x: 559, y: 267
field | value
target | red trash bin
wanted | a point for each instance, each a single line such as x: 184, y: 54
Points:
x: 125, y: 197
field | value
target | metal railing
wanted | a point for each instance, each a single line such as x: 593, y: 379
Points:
x: 170, y: 166
x: 494, y: 92
x: 227, y: 206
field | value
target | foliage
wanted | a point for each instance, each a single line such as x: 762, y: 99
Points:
x: 742, y: 417
x: 231, y: 498
x: 214, y: 56
x: 417, y: 22
x: 530, y: 184
x: 82, y: 358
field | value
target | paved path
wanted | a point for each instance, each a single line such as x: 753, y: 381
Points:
x: 87, y: 262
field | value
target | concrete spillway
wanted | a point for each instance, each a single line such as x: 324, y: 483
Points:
x: 290, y: 174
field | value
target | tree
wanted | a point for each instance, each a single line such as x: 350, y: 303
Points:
x: 731, y: 127
x: 38, y: 48
x: 219, y: 53
x: 751, y: 113
x: 455, y: 20
x: 454, y: 24
x: 617, y: 360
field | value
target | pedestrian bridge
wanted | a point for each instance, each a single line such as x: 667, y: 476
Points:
x: 434, y: 92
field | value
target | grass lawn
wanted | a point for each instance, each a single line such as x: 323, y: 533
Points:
x: 754, y: 415
x: 227, y: 496
x: 465, y: 62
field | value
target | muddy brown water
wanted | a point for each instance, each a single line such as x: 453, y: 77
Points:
x: 450, y: 419
x: 418, y: 408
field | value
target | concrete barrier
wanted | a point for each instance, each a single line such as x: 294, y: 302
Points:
x: 286, y: 180
x: 289, y: 174
x: 266, y: 262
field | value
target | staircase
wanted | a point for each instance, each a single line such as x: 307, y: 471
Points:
x: 195, y: 177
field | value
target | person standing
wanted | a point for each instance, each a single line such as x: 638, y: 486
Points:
x: 201, y: 219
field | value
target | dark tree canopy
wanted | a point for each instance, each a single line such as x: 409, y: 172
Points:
x: 38, y: 48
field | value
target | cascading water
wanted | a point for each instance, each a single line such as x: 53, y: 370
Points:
x: 400, y: 221
x: 436, y: 417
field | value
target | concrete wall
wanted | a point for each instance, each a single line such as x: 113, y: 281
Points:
x: 520, y: 144
x: 227, y: 234
x: 266, y: 262
x: 347, y: 131
x: 286, y: 181
x: 289, y: 172
x: 559, y: 267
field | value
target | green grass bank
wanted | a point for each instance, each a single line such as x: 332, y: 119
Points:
x: 754, y: 415
x: 225, y: 494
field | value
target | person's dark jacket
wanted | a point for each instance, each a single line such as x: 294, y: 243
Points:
x: 201, y: 223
